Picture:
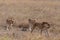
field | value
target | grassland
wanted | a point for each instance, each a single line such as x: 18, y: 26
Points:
x: 22, y: 10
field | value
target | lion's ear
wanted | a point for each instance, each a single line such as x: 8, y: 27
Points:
x: 29, y: 19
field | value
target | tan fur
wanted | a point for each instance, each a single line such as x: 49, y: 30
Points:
x: 10, y: 22
x: 42, y: 26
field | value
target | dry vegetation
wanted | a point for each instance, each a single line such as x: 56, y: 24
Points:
x: 21, y: 10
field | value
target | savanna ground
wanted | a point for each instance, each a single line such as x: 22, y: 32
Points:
x: 22, y: 10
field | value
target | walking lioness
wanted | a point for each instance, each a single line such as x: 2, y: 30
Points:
x: 44, y: 26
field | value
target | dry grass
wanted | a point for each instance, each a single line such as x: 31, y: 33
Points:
x: 6, y: 37
x: 22, y: 10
